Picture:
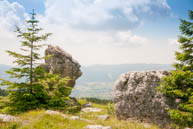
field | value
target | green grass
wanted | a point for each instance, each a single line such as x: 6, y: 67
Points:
x: 37, y: 119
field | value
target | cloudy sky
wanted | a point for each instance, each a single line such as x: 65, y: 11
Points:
x: 100, y: 31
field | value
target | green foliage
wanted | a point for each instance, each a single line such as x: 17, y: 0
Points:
x: 60, y: 94
x: 179, y: 84
x: 3, y: 92
x: 40, y: 89
x: 110, y: 109
x: 98, y: 100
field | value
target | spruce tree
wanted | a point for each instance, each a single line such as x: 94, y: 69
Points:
x: 39, y: 88
x: 28, y: 94
x: 179, y: 84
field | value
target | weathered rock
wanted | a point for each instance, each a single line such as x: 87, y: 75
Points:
x: 86, y: 105
x: 62, y: 63
x: 103, y: 117
x: 97, y: 127
x: 135, y: 96
x: 86, y: 120
x: 88, y: 109
x: 50, y: 112
x: 75, y: 118
x: 7, y: 118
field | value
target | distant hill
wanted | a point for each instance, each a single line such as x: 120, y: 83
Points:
x: 4, y: 75
x: 109, y: 73
x: 98, y: 80
x: 4, y: 68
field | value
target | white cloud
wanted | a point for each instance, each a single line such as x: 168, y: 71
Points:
x: 130, y: 40
x: 74, y: 23
x: 11, y: 14
x: 104, y: 14
x: 173, y: 41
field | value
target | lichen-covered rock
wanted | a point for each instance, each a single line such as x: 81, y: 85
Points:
x: 89, y: 109
x: 97, y: 127
x: 135, y: 96
x: 103, y: 117
x: 61, y: 62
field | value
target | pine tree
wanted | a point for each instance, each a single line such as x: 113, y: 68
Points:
x: 29, y: 94
x: 39, y: 87
x: 179, y: 84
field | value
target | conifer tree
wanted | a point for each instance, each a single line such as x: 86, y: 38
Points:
x: 179, y: 84
x: 35, y: 91
x: 29, y: 94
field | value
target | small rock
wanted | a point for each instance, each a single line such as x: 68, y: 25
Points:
x: 7, y: 118
x: 87, y: 105
x: 65, y: 116
x: 146, y: 125
x: 86, y: 120
x: 97, y: 127
x: 91, y: 109
x: 103, y: 117
x: 75, y: 118
x: 50, y: 112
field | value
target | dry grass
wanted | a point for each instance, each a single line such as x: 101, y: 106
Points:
x: 39, y: 120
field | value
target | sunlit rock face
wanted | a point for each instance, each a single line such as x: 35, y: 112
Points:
x: 62, y: 63
x: 135, y: 96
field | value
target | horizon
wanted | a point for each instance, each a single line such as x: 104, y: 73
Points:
x: 98, y: 31
x: 91, y: 65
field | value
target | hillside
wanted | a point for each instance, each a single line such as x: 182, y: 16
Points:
x: 98, y: 80
x: 39, y: 119
x: 109, y: 73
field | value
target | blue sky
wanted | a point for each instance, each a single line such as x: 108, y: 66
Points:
x: 101, y: 31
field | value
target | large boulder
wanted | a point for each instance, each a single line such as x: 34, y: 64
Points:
x: 61, y: 62
x: 135, y: 96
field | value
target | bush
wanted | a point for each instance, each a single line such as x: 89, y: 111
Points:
x: 179, y: 84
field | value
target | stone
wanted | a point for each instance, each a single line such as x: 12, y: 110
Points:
x: 88, y: 109
x: 7, y: 118
x: 61, y: 62
x: 86, y: 120
x: 87, y: 105
x: 147, y: 125
x: 103, y: 117
x: 135, y: 96
x: 50, y: 112
x: 75, y: 118
x: 97, y: 127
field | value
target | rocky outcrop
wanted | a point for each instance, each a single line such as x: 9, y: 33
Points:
x: 61, y: 62
x: 135, y: 96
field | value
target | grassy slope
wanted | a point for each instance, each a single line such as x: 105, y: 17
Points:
x: 39, y: 120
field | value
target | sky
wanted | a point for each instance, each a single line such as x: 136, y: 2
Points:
x: 100, y: 31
